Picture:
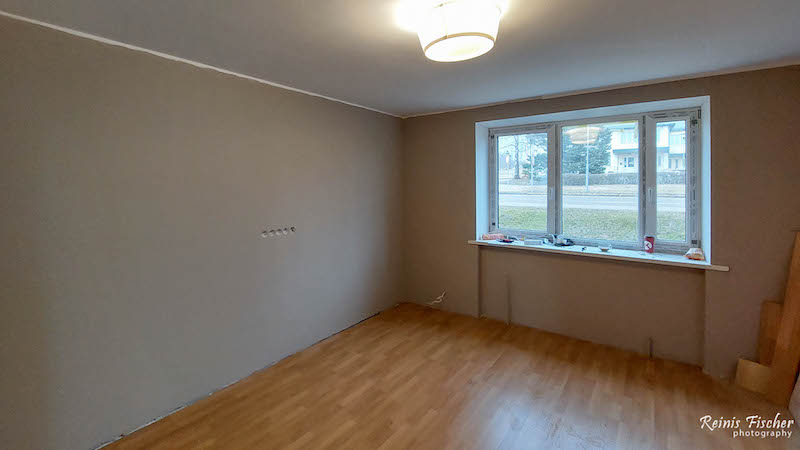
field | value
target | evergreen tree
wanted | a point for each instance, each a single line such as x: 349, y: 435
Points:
x: 573, y: 158
x: 520, y: 148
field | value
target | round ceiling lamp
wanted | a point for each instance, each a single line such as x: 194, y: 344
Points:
x: 584, y: 134
x: 458, y: 30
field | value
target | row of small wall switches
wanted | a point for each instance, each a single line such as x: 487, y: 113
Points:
x: 275, y: 232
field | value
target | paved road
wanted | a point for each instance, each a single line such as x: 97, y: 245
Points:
x: 590, y: 202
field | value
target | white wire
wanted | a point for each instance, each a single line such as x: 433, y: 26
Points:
x: 438, y: 300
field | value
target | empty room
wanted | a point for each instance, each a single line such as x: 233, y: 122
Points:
x: 399, y: 224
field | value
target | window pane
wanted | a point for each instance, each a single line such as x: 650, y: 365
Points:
x: 671, y: 189
x: 522, y: 181
x: 600, y: 181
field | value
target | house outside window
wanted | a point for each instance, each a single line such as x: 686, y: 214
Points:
x: 628, y: 137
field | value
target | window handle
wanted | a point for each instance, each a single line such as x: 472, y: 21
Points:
x: 551, y: 193
x: 649, y: 194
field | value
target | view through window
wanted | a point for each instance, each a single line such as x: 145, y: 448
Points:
x: 600, y: 180
x: 587, y: 180
x: 522, y: 181
x: 671, y: 176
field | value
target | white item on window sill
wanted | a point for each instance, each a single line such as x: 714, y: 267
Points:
x: 534, y: 242
x: 695, y: 254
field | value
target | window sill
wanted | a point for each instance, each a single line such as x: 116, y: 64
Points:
x: 614, y: 254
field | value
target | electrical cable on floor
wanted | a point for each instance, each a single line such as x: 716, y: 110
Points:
x: 438, y: 300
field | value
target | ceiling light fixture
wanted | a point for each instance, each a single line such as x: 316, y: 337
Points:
x: 582, y: 135
x: 457, y: 30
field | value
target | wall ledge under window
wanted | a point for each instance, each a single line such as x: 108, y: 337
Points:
x: 614, y: 254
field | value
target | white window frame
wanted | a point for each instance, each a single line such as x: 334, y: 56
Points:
x: 493, y: 177
x: 647, y: 170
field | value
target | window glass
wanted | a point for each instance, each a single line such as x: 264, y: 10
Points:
x: 583, y: 179
x: 600, y: 181
x: 662, y: 135
x: 671, y: 188
x: 522, y: 181
x: 628, y: 137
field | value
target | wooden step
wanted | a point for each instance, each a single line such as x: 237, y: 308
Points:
x: 787, y: 346
x: 753, y: 376
x: 768, y: 334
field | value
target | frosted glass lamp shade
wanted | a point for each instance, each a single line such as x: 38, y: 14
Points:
x: 457, y: 30
x: 581, y: 135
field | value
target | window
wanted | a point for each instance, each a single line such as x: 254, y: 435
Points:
x: 677, y: 138
x: 671, y: 187
x: 662, y: 138
x: 608, y: 181
x: 628, y: 137
x: 593, y: 206
x: 629, y: 162
x: 522, y: 181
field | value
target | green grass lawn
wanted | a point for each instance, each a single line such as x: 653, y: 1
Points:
x: 593, y: 223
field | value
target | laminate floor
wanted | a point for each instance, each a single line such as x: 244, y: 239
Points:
x: 413, y: 377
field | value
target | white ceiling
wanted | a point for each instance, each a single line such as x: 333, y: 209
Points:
x: 352, y: 50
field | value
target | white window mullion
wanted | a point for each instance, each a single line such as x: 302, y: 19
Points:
x: 493, y: 188
x: 649, y: 152
x: 553, y: 182
x: 693, y: 163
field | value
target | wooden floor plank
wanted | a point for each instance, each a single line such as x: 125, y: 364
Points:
x: 414, y: 377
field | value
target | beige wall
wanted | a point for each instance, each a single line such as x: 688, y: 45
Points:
x: 619, y: 304
x: 704, y: 318
x: 133, y: 278
x: 133, y: 190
